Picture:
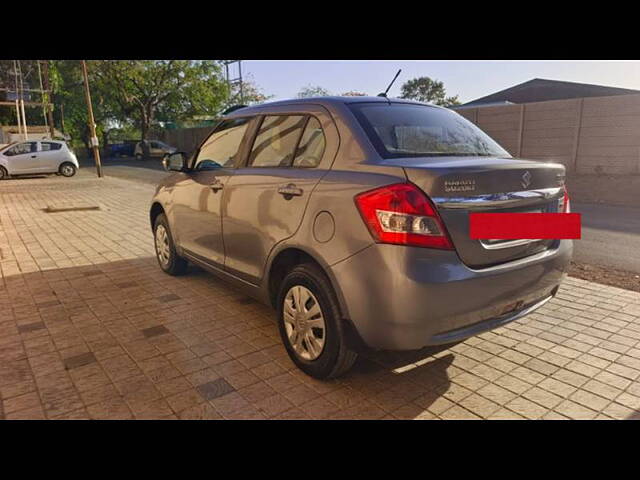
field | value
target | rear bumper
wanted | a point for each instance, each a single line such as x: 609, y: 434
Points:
x: 404, y: 298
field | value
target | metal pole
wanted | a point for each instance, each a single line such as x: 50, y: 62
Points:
x: 43, y: 97
x: 240, y: 79
x: 24, y: 119
x: 47, y: 87
x: 18, y: 116
x: 24, y: 116
x: 92, y: 124
x: 15, y: 78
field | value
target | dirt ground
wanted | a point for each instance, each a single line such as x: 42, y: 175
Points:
x: 606, y: 275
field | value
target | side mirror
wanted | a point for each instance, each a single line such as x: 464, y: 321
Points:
x: 175, y: 162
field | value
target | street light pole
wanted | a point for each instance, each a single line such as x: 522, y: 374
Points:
x: 92, y: 123
x: 47, y: 88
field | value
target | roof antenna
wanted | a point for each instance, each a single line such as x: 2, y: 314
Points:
x: 384, y: 94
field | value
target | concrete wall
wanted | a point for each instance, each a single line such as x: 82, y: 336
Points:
x: 598, y: 135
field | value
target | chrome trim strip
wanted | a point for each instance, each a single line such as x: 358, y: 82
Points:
x: 496, y: 200
x: 507, y: 243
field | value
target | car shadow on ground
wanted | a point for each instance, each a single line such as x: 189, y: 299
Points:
x: 30, y: 176
x: 426, y: 367
x: 105, y: 311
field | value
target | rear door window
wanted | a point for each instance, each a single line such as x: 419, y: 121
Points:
x: 47, y: 146
x: 276, y: 141
x: 311, y: 147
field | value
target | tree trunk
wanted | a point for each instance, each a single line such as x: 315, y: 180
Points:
x: 147, y: 113
x: 105, y: 143
x: 144, y: 133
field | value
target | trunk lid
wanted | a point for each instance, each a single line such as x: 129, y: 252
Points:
x: 461, y: 185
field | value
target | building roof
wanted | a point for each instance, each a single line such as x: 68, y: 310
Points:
x: 541, y: 90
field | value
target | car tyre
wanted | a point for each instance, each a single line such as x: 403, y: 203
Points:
x: 67, y: 169
x: 168, y: 259
x: 312, y: 331
x: 3, y: 173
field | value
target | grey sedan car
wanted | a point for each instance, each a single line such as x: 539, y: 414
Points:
x: 350, y: 216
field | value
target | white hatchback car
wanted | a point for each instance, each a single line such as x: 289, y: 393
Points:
x: 35, y: 157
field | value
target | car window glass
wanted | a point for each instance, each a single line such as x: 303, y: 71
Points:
x: 276, y: 141
x: 221, y: 148
x: 311, y: 147
x: 46, y: 146
x: 405, y: 130
x: 21, y: 149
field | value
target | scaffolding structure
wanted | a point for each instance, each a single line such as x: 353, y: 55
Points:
x: 19, y: 97
x: 237, y: 81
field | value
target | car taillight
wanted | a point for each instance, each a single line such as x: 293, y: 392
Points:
x: 563, y: 204
x: 402, y: 214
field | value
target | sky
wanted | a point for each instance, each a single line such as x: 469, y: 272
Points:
x: 470, y: 79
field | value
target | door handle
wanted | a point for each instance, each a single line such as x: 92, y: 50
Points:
x: 34, y: 156
x: 289, y: 190
x: 217, y: 185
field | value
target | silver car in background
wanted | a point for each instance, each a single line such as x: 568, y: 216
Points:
x: 350, y: 216
x: 37, y: 157
x: 156, y: 148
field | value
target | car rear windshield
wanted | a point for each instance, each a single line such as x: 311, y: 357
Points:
x: 402, y: 130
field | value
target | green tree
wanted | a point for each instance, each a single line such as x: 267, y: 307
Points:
x: 67, y: 87
x: 313, y: 91
x: 424, y: 89
x: 148, y: 91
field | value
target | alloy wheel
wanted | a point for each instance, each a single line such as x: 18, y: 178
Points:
x: 162, y: 245
x: 304, y: 323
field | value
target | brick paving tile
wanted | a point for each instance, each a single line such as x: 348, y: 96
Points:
x: 216, y: 388
x: 619, y: 412
x: 542, y: 397
x: 273, y: 405
x: 203, y: 411
x: 229, y: 403
x: 114, y: 408
x: 504, y: 414
x: 292, y: 414
x: 526, y: 408
x: 457, y: 412
x: 127, y: 341
x: 575, y: 411
x: 79, y: 360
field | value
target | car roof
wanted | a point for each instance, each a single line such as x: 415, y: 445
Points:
x: 323, y: 101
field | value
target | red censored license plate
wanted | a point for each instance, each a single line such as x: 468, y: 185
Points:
x: 512, y: 226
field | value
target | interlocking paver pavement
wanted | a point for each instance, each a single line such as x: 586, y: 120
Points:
x: 91, y: 328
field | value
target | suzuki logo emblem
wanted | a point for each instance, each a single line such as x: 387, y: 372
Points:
x: 526, y: 179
